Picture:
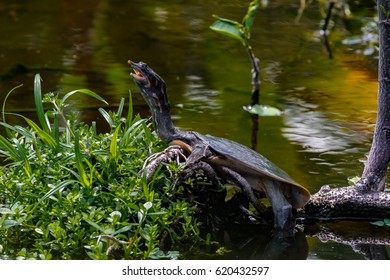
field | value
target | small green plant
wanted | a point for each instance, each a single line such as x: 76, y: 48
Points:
x: 242, y: 32
x: 385, y: 222
x: 69, y: 192
x: 386, y: 12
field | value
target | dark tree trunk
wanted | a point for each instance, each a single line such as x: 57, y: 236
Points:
x: 374, y: 174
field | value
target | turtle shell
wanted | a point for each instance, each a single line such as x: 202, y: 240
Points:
x: 254, y: 167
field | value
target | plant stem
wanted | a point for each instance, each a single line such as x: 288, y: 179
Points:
x: 255, y: 99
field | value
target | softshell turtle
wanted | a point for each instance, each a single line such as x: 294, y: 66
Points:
x: 232, y: 161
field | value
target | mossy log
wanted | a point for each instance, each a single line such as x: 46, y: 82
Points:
x: 348, y: 203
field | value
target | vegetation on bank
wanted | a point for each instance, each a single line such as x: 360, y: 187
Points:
x: 69, y: 192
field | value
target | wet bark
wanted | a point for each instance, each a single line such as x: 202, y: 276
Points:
x: 347, y: 203
x: 374, y: 174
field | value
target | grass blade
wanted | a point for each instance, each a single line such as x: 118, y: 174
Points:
x: 114, y: 143
x: 39, y: 105
x: 120, y: 107
x: 130, y: 111
x: 56, y: 130
x: 79, y: 162
x: 107, y: 117
x: 9, y: 149
x: 9, y: 134
x: 56, y: 188
x: 86, y: 92
x: 46, y: 137
x: 22, y: 154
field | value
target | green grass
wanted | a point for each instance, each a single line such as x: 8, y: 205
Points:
x: 68, y: 192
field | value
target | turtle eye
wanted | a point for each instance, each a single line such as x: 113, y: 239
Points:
x: 143, y: 65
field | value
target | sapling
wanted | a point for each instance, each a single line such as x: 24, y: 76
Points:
x: 242, y: 32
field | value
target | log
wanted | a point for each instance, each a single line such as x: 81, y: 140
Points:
x: 347, y: 203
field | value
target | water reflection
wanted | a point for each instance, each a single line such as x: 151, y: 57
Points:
x: 251, y: 242
x: 336, y: 240
x: 200, y: 97
x: 314, y: 130
x: 363, y: 239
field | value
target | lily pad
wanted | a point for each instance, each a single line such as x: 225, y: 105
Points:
x: 263, y: 110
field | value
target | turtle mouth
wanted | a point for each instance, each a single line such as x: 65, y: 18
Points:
x: 137, y: 75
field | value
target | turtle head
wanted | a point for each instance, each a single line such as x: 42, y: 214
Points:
x: 153, y: 89
x: 151, y: 85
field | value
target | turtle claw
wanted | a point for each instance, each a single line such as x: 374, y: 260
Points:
x: 176, y: 154
x: 172, y: 153
x: 208, y: 172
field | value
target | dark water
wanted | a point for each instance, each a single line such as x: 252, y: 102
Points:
x: 329, y: 105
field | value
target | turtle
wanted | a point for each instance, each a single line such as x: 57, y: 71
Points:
x: 237, y: 164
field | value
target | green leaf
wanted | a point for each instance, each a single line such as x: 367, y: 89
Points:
x: 379, y: 223
x: 56, y: 188
x: 229, y: 28
x: 95, y: 225
x: 114, y: 143
x: 387, y: 13
x: 263, y: 110
x: 3, y: 111
x: 86, y: 92
x: 249, y: 18
x: 120, y: 108
x: 9, y: 149
x: 45, y: 136
x: 107, y: 117
x: 79, y: 163
x: 10, y: 223
x: 22, y: 152
x: 124, y: 229
x: 5, y: 211
x: 387, y: 222
x: 38, y: 104
x: 130, y: 110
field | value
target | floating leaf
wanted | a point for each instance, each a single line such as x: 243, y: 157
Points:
x: 229, y: 28
x: 263, y: 110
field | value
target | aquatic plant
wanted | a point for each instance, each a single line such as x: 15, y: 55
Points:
x: 69, y: 192
x: 242, y: 32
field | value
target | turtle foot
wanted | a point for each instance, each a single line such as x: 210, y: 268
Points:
x: 202, y: 172
x: 172, y: 153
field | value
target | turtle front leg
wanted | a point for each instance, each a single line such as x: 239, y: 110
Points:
x: 208, y: 172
